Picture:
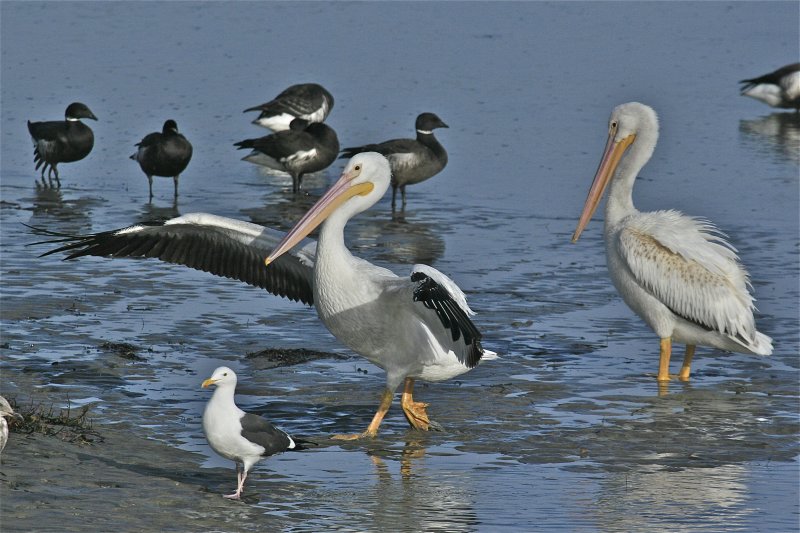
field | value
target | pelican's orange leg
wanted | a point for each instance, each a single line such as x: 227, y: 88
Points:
x: 372, y: 430
x: 687, y: 363
x: 663, y: 362
x: 414, y: 411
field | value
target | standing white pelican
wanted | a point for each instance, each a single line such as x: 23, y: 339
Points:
x: 417, y: 327
x: 676, y: 272
x: 413, y: 328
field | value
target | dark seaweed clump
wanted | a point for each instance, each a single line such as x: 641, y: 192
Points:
x: 122, y: 349
x: 67, y: 424
x: 295, y: 356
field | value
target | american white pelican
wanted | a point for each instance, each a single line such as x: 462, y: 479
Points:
x: 309, y: 101
x: 676, y: 272
x: 244, y: 438
x: 414, y: 327
x: 412, y: 160
x: 780, y: 88
x: 62, y: 141
x: 165, y: 154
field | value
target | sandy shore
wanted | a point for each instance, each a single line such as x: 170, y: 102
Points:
x: 47, y: 484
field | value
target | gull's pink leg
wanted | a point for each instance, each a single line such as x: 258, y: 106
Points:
x: 240, y: 488
x: 239, y: 484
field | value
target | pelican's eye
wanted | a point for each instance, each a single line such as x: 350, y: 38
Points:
x: 224, y: 373
x: 357, y: 167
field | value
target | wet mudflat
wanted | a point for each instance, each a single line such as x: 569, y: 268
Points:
x: 567, y: 430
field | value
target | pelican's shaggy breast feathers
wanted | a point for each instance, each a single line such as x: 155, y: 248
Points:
x: 687, y: 265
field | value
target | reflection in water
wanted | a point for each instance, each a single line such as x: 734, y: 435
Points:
x: 47, y: 199
x: 311, y: 181
x: 680, y: 386
x: 281, y: 210
x: 49, y: 183
x: 174, y: 201
x: 72, y: 215
x: 778, y: 134
x: 640, y: 499
x: 395, y: 239
x: 373, y: 235
x: 153, y: 213
x: 419, y: 500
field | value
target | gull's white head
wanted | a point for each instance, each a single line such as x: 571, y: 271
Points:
x: 363, y: 182
x: 222, y: 376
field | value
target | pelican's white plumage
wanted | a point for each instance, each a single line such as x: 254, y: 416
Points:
x: 676, y: 272
x: 413, y: 327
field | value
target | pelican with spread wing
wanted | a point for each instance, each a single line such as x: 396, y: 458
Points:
x: 413, y: 327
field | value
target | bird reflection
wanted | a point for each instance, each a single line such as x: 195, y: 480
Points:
x: 311, y: 182
x: 631, y: 500
x: 663, y: 387
x: 150, y: 212
x: 777, y: 133
x: 280, y: 211
x: 413, y: 449
x: 72, y: 215
x: 47, y: 199
x: 419, y: 500
x: 396, y: 240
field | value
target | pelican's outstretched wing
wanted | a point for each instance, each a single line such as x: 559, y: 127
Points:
x: 218, y: 245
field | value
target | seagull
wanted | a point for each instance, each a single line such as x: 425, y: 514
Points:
x: 414, y: 327
x: 60, y: 141
x: 676, y: 272
x: 164, y: 154
x: 412, y: 160
x: 306, y: 147
x: 309, y: 101
x: 780, y: 88
x: 243, y: 438
x: 5, y: 410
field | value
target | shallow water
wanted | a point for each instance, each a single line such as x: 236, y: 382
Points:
x: 566, y: 430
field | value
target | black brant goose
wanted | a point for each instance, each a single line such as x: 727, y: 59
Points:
x: 306, y: 147
x: 61, y: 141
x: 777, y: 89
x: 164, y: 154
x: 412, y: 160
x: 310, y: 101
